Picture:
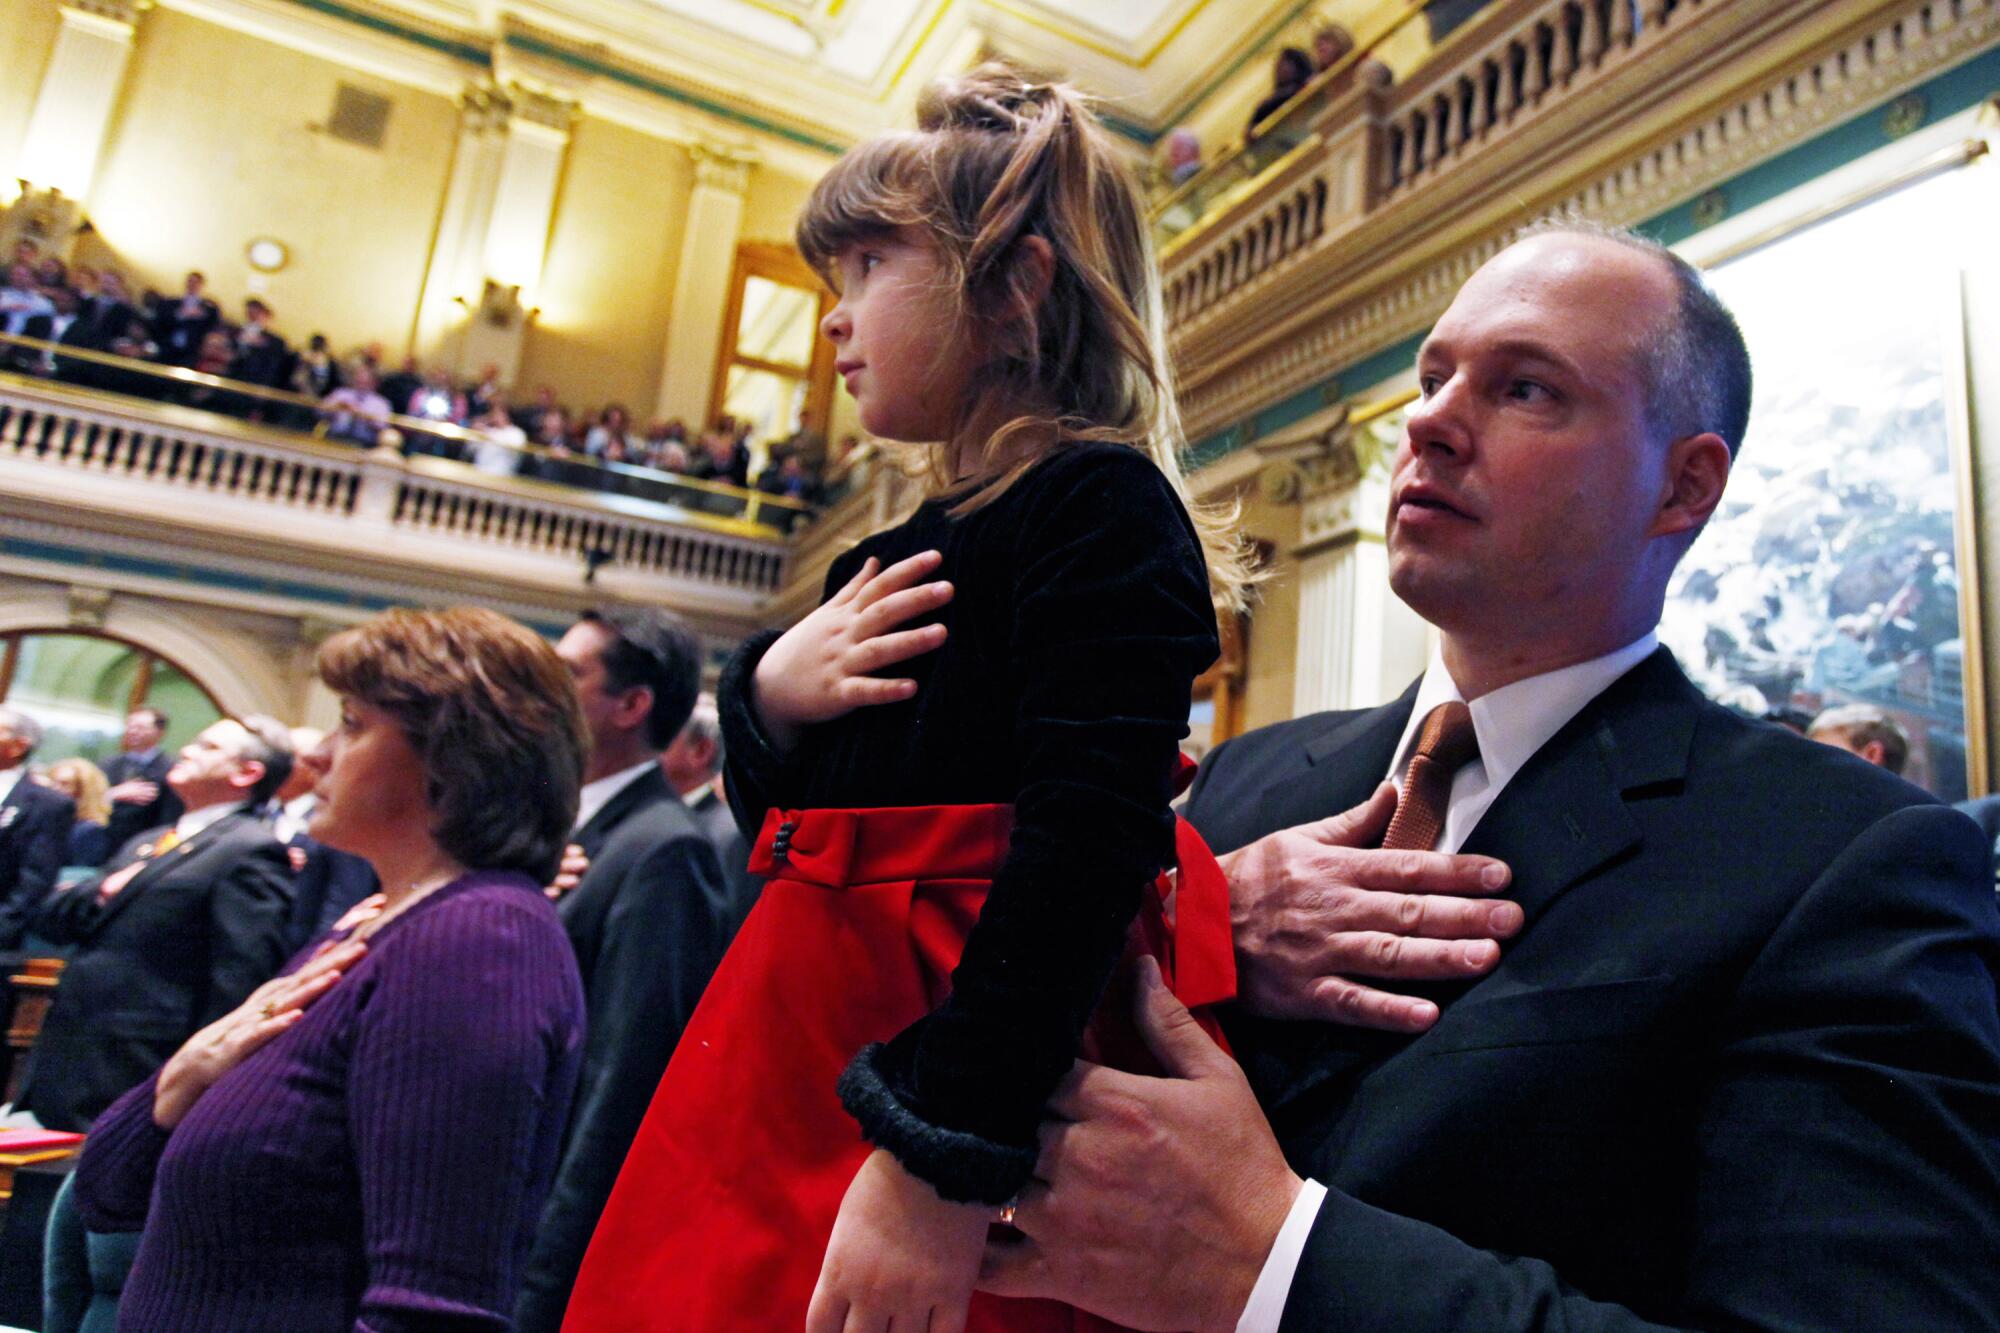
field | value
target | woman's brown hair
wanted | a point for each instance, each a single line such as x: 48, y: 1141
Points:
x: 998, y: 158
x: 494, y: 716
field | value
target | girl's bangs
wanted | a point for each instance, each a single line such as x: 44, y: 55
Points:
x: 872, y: 190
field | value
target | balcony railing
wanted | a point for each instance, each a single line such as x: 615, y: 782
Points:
x: 1479, y: 89
x: 1354, y: 237
x: 418, y: 436
x: 1236, y: 171
x: 161, y: 465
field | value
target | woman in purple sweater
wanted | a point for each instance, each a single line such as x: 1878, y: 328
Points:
x: 365, y: 1144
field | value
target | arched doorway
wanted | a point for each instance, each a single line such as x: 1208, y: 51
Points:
x: 80, y: 684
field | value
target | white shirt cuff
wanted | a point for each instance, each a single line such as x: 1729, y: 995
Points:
x: 1266, y: 1306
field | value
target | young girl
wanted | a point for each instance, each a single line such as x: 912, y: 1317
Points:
x: 957, y: 855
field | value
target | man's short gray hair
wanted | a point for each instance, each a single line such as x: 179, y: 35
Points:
x: 1862, y: 724
x: 20, y: 726
x: 705, y: 724
x: 1697, y: 365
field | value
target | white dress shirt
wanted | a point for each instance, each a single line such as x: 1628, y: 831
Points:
x: 596, y: 795
x: 194, y: 821
x: 10, y: 776
x: 293, y: 817
x: 1511, y: 723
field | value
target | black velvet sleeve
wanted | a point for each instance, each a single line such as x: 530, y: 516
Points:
x: 1112, y: 620
x: 755, y: 775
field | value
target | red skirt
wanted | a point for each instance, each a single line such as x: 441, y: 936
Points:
x: 721, y: 1214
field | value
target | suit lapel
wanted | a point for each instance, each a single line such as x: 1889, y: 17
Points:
x: 642, y: 790
x: 13, y: 809
x: 1563, y: 817
x: 1342, y: 767
x: 212, y: 836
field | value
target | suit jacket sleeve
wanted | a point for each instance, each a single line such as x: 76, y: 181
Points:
x: 45, y: 847
x: 67, y: 915
x: 1846, y: 1148
x: 247, y: 913
x: 662, y: 942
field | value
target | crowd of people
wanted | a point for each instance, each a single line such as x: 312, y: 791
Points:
x: 1550, y: 994
x: 357, y: 394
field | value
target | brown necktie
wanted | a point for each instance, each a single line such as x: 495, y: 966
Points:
x: 1445, y: 744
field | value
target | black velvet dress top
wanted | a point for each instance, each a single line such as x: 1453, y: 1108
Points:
x: 1081, y: 617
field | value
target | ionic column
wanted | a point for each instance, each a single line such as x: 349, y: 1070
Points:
x: 493, y: 233
x: 73, y: 108
x: 456, y: 274
x: 701, y: 284
x: 1358, y: 644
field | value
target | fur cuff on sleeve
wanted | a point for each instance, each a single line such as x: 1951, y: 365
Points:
x: 961, y: 1167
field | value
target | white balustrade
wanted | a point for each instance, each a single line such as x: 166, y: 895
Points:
x: 69, y: 446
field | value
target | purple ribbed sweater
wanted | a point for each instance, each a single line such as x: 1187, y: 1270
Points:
x: 380, y: 1166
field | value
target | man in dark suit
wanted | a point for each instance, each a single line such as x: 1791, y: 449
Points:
x: 645, y: 919
x: 1741, y: 1065
x: 1986, y: 813
x: 180, y: 325
x: 140, y: 796
x: 34, y: 828
x: 185, y: 923
x: 693, y: 765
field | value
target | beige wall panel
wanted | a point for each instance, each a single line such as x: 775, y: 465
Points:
x: 608, y: 286
x: 1274, y: 620
x: 27, y: 37
x: 771, y: 205
x: 210, y: 148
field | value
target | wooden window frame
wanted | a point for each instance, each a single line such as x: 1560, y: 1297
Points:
x: 783, y: 265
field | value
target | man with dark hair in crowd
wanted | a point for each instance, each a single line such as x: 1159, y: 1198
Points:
x: 693, y: 765
x: 34, y: 828
x: 262, y: 356
x: 1865, y: 730
x: 62, y: 324
x: 1740, y: 1064
x: 400, y: 385
x: 645, y: 919
x: 140, y: 798
x: 107, y: 312
x: 180, y: 325
x: 182, y: 926
x: 326, y: 882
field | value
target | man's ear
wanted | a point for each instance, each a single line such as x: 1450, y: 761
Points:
x: 247, y: 775
x: 1697, y: 469
x: 633, y: 706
